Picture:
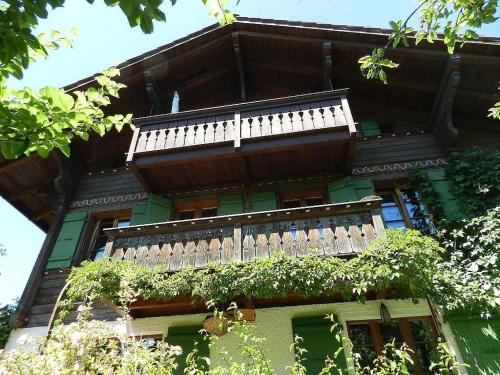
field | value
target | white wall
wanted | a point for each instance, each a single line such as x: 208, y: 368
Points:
x: 272, y: 323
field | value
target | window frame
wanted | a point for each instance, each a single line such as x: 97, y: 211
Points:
x: 116, y: 216
x: 302, y: 196
x: 404, y: 326
x: 197, y: 206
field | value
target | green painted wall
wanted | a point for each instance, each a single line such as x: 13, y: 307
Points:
x: 479, y: 343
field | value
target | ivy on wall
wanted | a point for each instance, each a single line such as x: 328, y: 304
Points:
x: 408, y: 263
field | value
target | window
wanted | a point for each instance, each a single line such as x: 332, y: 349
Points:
x: 402, y: 208
x: 369, y: 337
x: 302, y: 198
x: 100, y: 237
x: 150, y: 340
x: 196, y: 209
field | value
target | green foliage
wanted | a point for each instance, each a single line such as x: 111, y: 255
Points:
x: 41, y: 121
x: 449, y: 21
x: 409, y: 263
x: 6, y: 313
x: 475, y: 176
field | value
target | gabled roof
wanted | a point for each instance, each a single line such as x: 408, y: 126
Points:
x: 254, y: 59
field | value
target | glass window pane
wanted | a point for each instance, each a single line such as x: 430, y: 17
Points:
x: 391, y: 332
x: 186, y: 215
x: 123, y: 223
x: 421, y: 330
x: 209, y: 212
x: 360, y: 334
x: 391, y: 212
x: 314, y: 201
x: 291, y: 203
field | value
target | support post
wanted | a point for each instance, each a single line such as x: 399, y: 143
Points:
x: 239, y: 63
x: 327, y: 65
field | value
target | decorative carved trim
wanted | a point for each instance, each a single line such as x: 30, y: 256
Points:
x: 398, y: 167
x: 109, y: 200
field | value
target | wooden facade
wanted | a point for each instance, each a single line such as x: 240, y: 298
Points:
x: 269, y: 111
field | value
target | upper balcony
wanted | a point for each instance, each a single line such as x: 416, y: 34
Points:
x: 296, y: 135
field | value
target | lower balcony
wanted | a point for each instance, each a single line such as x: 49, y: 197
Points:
x: 343, y: 229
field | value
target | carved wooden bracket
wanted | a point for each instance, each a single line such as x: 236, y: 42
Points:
x: 155, y: 93
x: 239, y: 63
x: 327, y: 65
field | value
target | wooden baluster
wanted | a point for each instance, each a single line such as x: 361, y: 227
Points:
x: 170, y: 139
x: 189, y: 252
x: 328, y: 116
x: 230, y: 128
x: 261, y: 242
x: 142, y: 251
x: 301, y: 238
x: 368, y: 229
x: 190, y: 134
x: 228, y: 253
x: 141, y: 142
x: 219, y: 129
x: 199, y: 138
x: 160, y: 140
x: 245, y: 125
x: 152, y: 256
x: 317, y: 117
x: 343, y: 242
x: 296, y: 119
x: 339, y: 116
x: 315, y: 246
x: 118, y: 255
x: 177, y: 253
x: 237, y: 242
x: 214, y: 250
x: 131, y: 250
x: 110, y: 244
x: 265, y: 124
x: 274, y: 242
x: 307, y: 120
x: 288, y: 239
x: 277, y: 123
x: 248, y: 246
x: 357, y: 240
x: 287, y: 126
x: 255, y: 130
x: 164, y: 255
x: 329, y: 241
x: 151, y: 142
x: 180, y: 136
x: 201, y: 253
x: 210, y: 130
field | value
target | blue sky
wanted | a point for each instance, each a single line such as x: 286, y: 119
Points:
x: 105, y: 39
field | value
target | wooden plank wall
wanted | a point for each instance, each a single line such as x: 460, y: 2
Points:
x: 46, y: 297
x: 396, y: 149
x: 106, y: 184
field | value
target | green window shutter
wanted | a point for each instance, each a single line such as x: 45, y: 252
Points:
x: 441, y: 186
x: 264, y: 201
x: 230, y: 204
x: 139, y: 214
x: 479, y: 343
x: 363, y: 187
x: 319, y: 342
x: 342, y: 190
x: 155, y: 211
x: 185, y: 337
x: 158, y: 209
x: 67, y: 241
x: 370, y: 128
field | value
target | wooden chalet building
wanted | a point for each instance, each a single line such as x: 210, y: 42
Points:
x: 279, y: 143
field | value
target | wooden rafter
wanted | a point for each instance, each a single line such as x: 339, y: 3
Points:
x: 441, y: 121
x: 327, y: 66
x: 155, y: 93
x: 239, y: 63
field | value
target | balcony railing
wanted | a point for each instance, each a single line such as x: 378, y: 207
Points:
x: 325, y: 230
x: 241, y: 123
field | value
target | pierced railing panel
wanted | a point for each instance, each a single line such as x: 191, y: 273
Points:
x: 326, y: 230
x: 238, y: 123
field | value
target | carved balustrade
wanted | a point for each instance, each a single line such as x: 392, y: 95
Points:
x: 325, y: 230
x: 239, y: 123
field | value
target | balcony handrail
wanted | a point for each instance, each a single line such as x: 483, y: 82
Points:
x: 294, y: 99
x: 365, y: 204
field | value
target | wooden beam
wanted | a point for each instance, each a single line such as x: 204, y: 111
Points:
x: 239, y: 64
x: 155, y: 94
x: 16, y: 163
x: 43, y: 213
x: 32, y: 189
x: 327, y: 66
x: 441, y: 121
x: 287, y: 68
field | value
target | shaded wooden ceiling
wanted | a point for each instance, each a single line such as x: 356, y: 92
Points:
x: 255, y: 59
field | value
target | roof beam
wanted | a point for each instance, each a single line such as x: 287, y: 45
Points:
x: 155, y: 93
x: 441, y: 121
x: 239, y: 63
x: 327, y: 66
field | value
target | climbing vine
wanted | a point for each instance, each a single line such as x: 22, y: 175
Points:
x: 408, y: 264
